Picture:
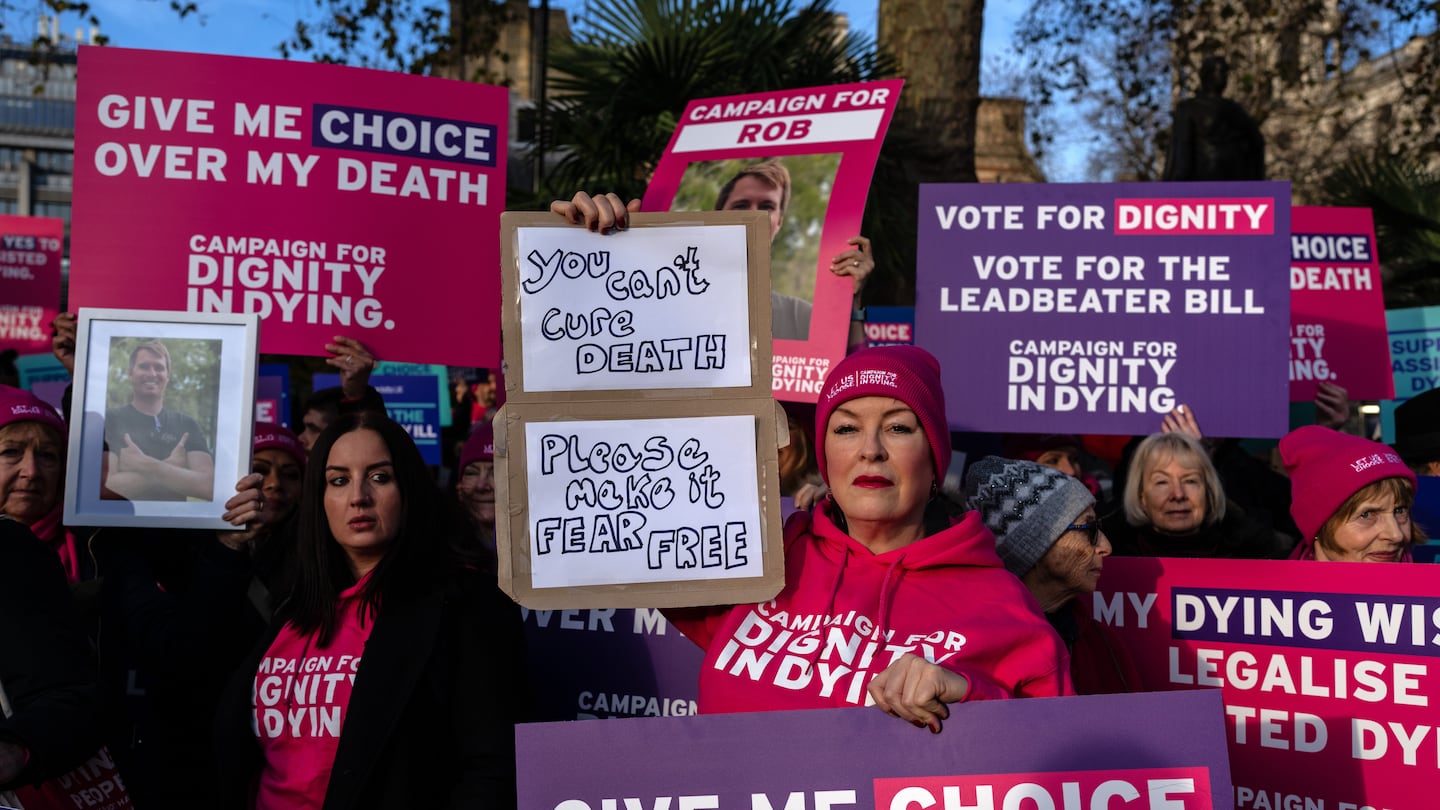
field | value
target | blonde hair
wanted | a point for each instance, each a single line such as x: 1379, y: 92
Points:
x: 1157, y: 449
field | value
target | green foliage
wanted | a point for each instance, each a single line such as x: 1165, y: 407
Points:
x: 1404, y: 198
x: 796, y: 250
x: 194, y: 386
x: 635, y: 64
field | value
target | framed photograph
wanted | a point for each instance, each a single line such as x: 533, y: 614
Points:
x: 161, y: 418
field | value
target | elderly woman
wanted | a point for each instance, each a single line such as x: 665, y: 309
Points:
x: 475, y: 489
x: 1174, y: 506
x: 32, y: 472
x: 1048, y: 535
x: 421, y: 657
x: 1351, y: 497
x: 886, y: 599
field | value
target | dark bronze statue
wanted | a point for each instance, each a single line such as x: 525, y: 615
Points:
x: 1214, y: 138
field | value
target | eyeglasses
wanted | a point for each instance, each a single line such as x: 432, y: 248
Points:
x: 1091, y: 530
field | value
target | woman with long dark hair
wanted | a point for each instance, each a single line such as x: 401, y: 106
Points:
x: 393, y: 673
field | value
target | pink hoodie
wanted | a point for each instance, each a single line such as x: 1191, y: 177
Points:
x: 301, y: 695
x: 846, y: 614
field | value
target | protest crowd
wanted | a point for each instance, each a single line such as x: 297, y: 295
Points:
x: 345, y: 643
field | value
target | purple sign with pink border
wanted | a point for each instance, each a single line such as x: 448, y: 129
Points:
x: 1337, y: 308
x: 327, y: 199
x: 1097, y: 308
x: 828, y: 139
x: 1101, y: 751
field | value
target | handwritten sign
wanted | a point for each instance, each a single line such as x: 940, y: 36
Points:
x: 1103, y: 751
x: 30, y: 257
x: 648, y: 308
x: 1099, y: 308
x: 1337, y: 309
x: 1328, y: 670
x: 323, y: 198
x: 827, y: 138
x: 653, y: 500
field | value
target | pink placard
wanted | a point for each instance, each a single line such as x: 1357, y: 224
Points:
x: 1337, y: 308
x: 31, y: 249
x: 828, y: 138
x: 1327, y: 670
x: 331, y: 200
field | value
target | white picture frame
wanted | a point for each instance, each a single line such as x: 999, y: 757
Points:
x: 113, y: 473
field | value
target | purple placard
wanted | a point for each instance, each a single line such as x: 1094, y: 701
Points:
x: 599, y: 663
x: 272, y: 394
x: 1050, y: 309
x: 848, y: 757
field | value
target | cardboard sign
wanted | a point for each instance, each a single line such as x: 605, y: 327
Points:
x: 1097, y: 308
x: 1328, y: 670
x: 1104, y: 751
x: 1337, y: 309
x: 635, y: 456
x: 329, y: 200
x: 634, y: 310
x: 31, y: 251
x: 828, y: 139
x: 642, y: 500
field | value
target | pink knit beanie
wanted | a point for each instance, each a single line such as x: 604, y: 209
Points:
x: 1327, y: 467
x: 270, y: 436
x: 19, y: 405
x: 479, y: 447
x: 907, y: 373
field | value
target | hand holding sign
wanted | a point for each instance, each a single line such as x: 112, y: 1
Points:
x: 916, y: 691
x: 602, y: 213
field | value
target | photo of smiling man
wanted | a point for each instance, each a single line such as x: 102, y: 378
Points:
x: 154, y: 453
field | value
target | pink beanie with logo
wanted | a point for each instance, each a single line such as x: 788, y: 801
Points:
x: 19, y: 405
x: 907, y: 373
x: 1327, y: 467
x: 479, y: 447
x: 270, y: 436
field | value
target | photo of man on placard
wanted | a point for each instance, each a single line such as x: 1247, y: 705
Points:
x: 795, y: 192
x: 155, y: 450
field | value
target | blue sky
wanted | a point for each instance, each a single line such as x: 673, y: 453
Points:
x: 255, y: 27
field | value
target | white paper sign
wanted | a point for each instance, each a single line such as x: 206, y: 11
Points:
x: 647, y: 308
x: 642, y: 500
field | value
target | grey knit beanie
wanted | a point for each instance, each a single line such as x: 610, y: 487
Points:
x: 1026, y: 505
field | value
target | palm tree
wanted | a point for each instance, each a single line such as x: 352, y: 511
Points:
x: 622, y: 84
x: 1404, y: 198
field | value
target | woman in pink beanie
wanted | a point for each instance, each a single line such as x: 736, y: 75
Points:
x: 32, y: 471
x: 887, y: 600
x: 1350, y: 496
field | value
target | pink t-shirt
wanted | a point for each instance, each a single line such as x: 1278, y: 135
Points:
x: 300, y: 696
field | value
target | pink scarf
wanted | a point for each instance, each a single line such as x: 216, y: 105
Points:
x: 48, y: 528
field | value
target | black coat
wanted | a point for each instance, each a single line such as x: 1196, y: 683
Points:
x: 431, y: 718
x: 44, y: 660
x: 176, y: 619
